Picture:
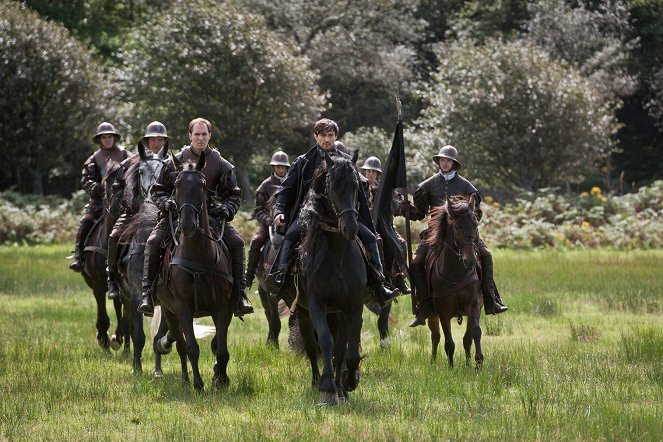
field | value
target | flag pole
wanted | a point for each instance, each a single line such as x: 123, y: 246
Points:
x: 408, y: 236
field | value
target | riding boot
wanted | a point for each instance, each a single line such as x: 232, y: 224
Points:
x: 243, y: 306
x: 111, y: 270
x: 252, y: 265
x: 399, y: 282
x: 150, y: 270
x: 492, y: 304
x: 425, y: 303
x: 382, y: 293
x: 281, y: 263
x: 83, y: 231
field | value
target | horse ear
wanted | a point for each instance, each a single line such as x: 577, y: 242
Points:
x: 473, y: 202
x: 141, y: 150
x: 163, y: 153
x: 355, y: 155
x: 201, y: 162
x: 177, y: 162
x: 329, y: 161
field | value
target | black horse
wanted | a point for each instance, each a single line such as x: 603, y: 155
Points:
x: 332, y: 279
x: 94, y: 272
x: 141, y: 174
x: 198, y: 280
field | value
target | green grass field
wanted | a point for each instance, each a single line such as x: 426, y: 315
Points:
x: 579, y: 356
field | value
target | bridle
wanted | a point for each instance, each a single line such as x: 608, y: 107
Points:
x: 145, y: 193
x: 339, y: 213
x: 469, y: 238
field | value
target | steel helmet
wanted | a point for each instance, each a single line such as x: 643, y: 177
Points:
x: 449, y: 152
x: 103, y: 129
x: 372, y: 163
x: 279, y: 158
x: 155, y: 129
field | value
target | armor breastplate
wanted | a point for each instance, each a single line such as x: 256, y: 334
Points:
x: 438, y: 188
x: 215, y: 165
x: 104, y: 156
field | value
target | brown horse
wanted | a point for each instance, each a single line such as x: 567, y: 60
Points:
x: 452, y: 275
x: 198, y: 281
x: 94, y: 272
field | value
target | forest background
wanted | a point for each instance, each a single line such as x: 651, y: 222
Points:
x: 545, y: 99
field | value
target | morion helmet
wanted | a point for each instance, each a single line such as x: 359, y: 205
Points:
x: 372, y: 163
x: 103, y: 129
x: 155, y: 129
x: 448, y: 152
x: 279, y: 158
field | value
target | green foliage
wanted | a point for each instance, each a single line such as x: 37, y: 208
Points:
x: 518, y: 118
x: 52, y: 93
x: 229, y: 68
x: 589, y: 220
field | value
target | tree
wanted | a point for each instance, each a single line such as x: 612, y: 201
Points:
x: 363, y: 49
x: 220, y: 62
x: 52, y: 95
x: 518, y: 117
x: 597, y: 42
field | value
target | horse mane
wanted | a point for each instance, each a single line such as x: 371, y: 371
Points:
x: 314, y: 210
x: 437, y: 224
x: 132, y: 192
x: 146, y: 217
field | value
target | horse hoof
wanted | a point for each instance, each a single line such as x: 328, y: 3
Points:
x: 157, y: 374
x: 328, y: 398
x: 385, y: 343
x: 221, y: 382
x: 116, y: 342
x: 103, y: 341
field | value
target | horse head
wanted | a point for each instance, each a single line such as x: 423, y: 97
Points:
x: 464, y: 226
x: 190, y: 195
x: 150, y: 168
x: 341, y: 188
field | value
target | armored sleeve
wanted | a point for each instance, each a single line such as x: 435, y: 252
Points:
x: 421, y: 204
x: 261, y: 212
x: 228, y: 193
x: 91, y: 178
x: 162, y: 189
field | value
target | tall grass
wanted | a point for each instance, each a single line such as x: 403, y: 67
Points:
x: 577, y: 357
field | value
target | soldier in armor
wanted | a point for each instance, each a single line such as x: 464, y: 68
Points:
x: 434, y: 192
x: 372, y: 168
x: 155, y: 139
x: 290, y: 197
x: 94, y: 171
x: 224, y: 201
x: 262, y: 214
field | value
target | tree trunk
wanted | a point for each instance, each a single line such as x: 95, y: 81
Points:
x: 37, y: 182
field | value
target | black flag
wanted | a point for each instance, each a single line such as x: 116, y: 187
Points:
x: 382, y: 212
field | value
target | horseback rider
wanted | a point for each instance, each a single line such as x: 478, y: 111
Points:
x: 155, y: 138
x: 372, y: 169
x: 94, y: 170
x: 434, y: 192
x: 262, y: 214
x: 224, y: 201
x: 290, y: 197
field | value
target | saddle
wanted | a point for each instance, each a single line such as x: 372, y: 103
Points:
x: 94, y: 236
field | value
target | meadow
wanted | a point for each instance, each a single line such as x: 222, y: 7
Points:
x: 579, y: 356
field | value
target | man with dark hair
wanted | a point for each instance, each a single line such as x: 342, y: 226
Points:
x: 94, y: 170
x: 290, y: 197
x: 223, y: 204
x: 434, y: 192
x: 262, y: 212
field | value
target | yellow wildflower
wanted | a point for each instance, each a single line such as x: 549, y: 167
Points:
x: 604, y: 199
x: 584, y: 195
x: 496, y: 204
x: 488, y: 199
x: 585, y: 224
x: 596, y: 190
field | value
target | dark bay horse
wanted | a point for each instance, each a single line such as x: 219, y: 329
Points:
x: 94, y: 272
x: 141, y: 174
x: 198, y: 280
x: 333, y: 278
x: 452, y: 275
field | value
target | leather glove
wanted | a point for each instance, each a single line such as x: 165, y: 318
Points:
x: 405, y: 206
x: 224, y: 212
x: 96, y: 189
x: 269, y: 221
x: 170, y: 205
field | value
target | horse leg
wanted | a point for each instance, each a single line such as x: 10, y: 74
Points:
x: 434, y: 327
x: 220, y: 349
x: 162, y: 342
x: 339, y: 331
x: 310, y: 344
x: 103, y: 321
x: 383, y: 325
x: 449, y: 346
x: 138, y: 337
x: 117, y: 338
x: 175, y: 334
x: 352, y: 358
x: 318, y: 314
x: 272, y: 314
x: 467, y: 340
x: 192, y: 347
x: 476, y: 336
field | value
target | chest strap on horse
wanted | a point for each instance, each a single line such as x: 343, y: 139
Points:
x: 196, y: 269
